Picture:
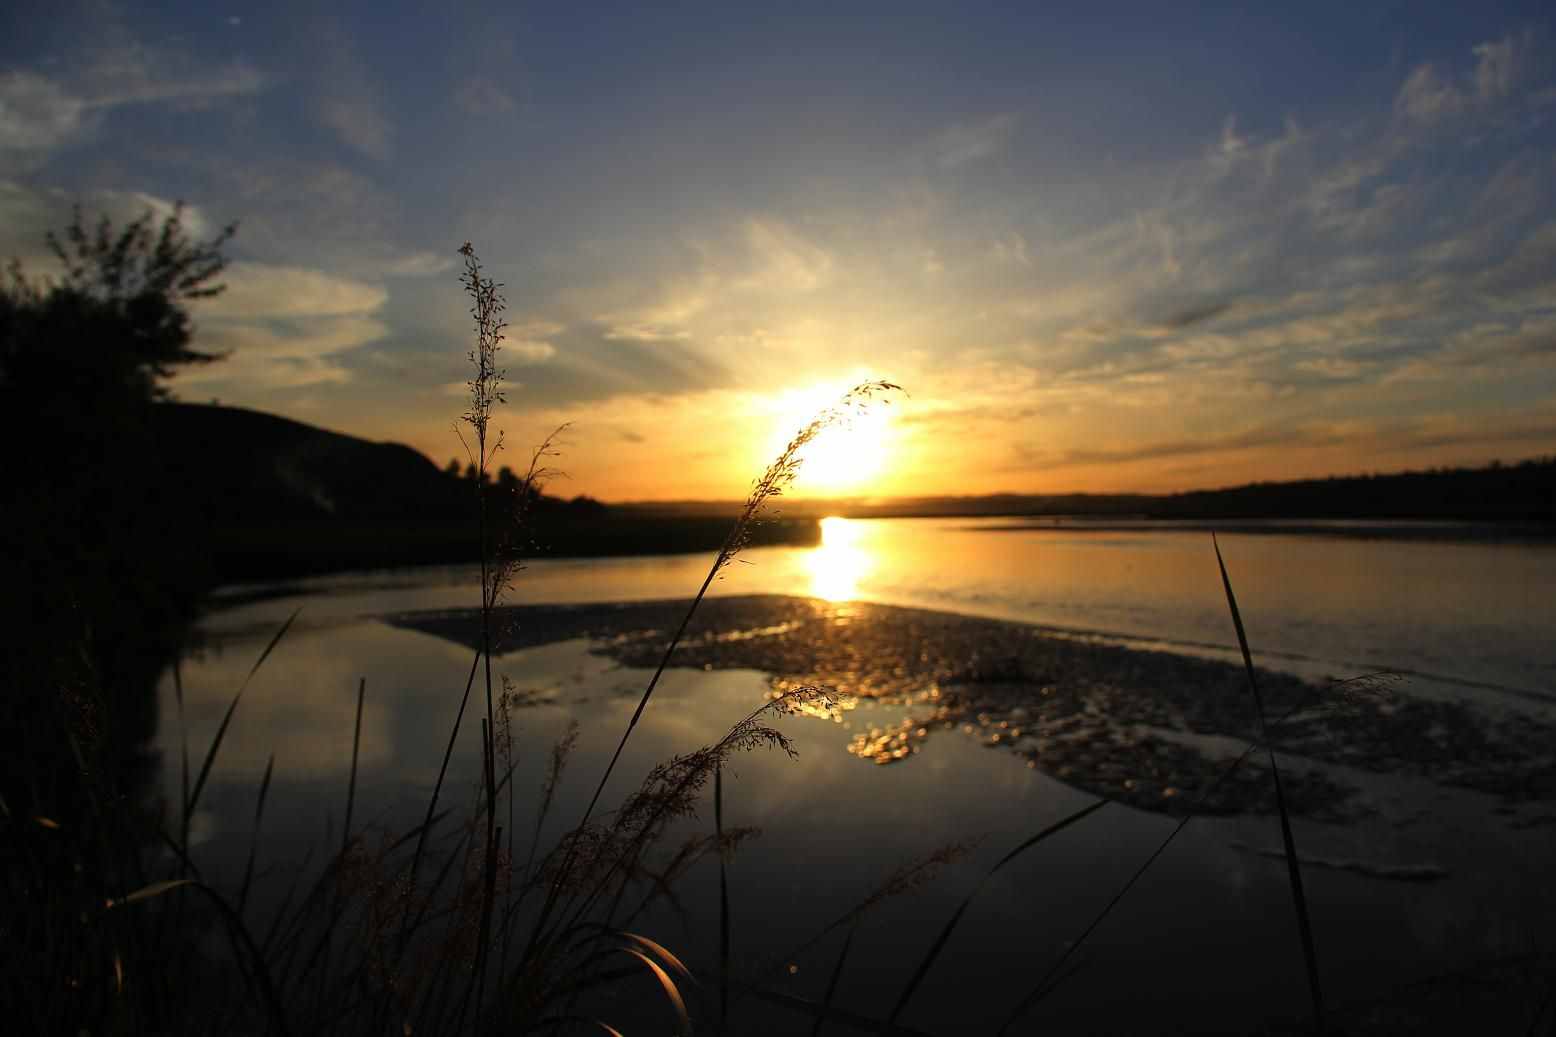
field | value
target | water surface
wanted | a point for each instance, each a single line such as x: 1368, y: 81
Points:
x: 1472, y: 621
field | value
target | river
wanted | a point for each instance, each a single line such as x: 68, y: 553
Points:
x: 1428, y: 878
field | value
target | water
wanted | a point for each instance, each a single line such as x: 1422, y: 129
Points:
x: 1207, y: 941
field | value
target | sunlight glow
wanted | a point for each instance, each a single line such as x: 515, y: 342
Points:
x: 847, y: 457
x: 837, y: 566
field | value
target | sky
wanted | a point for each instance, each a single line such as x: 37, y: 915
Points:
x: 1102, y: 247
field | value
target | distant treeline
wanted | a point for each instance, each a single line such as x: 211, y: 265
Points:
x: 1521, y: 492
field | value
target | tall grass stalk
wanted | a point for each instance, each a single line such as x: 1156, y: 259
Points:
x: 259, y: 814
x: 1055, y: 972
x: 945, y: 933
x: 773, y: 482
x: 1293, y: 866
x: 834, y: 980
x: 486, y: 307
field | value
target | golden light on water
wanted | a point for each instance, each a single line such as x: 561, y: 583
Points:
x: 837, y: 566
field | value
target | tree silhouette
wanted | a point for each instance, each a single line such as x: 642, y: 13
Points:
x: 105, y: 546
x: 115, y: 321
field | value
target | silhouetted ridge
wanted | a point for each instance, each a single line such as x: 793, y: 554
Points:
x: 276, y: 497
x: 249, y: 467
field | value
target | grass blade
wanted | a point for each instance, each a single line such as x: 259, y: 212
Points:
x: 837, y: 974
x: 1055, y: 975
x: 448, y: 753
x: 221, y: 731
x: 956, y: 916
x: 718, y: 831
x: 156, y: 889
x: 259, y: 812
x: 356, y: 748
x: 1293, y: 868
x: 671, y: 991
x: 183, y: 737
x: 236, y: 931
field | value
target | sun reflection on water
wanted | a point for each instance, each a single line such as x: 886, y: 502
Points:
x: 837, y: 566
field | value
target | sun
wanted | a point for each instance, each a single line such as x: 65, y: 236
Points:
x: 846, y: 457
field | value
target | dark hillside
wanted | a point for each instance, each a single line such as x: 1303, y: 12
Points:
x: 247, y: 467
x: 277, y: 497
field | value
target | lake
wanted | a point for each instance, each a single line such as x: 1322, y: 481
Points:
x: 1435, y: 864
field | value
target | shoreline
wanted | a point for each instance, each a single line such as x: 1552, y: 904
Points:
x: 1148, y: 728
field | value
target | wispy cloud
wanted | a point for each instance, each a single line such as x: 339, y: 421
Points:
x: 1428, y: 94
x: 263, y: 291
x: 284, y: 328
x: 42, y: 113
x: 280, y: 354
x: 481, y: 96
x: 970, y: 142
x: 350, y: 101
x: 37, y: 116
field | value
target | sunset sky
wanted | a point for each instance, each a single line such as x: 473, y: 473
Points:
x: 1103, y: 246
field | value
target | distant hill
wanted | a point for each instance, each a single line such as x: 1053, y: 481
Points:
x: 277, y: 498
x: 251, y: 467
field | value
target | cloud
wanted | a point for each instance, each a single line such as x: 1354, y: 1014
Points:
x: 1428, y: 96
x: 350, y: 101
x: 528, y: 351
x: 419, y: 264
x: 37, y: 116
x: 321, y: 209
x: 263, y: 291
x: 667, y: 316
x: 785, y: 261
x: 284, y: 327
x: 592, y: 361
x: 642, y: 331
x: 140, y: 74
x: 966, y: 143
x: 281, y: 354
x: 1248, y: 440
x: 359, y: 123
x: 480, y: 96
x: 40, y: 114
x: 1192, y: 315
x: 1496, y: 345
x: 1499, y: 65
x: 1010, y: 247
